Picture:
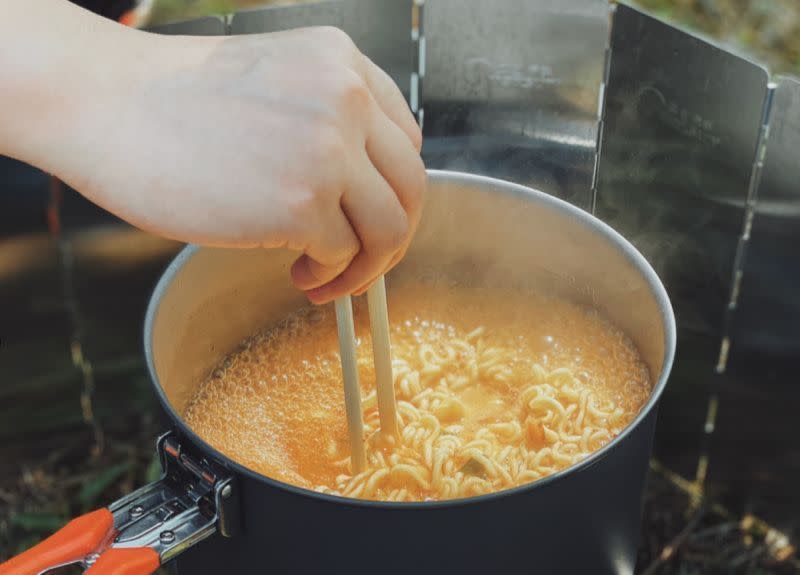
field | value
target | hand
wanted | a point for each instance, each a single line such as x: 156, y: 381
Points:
x: 292, y: 139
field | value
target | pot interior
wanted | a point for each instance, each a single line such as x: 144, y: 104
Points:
x: 475, y: 231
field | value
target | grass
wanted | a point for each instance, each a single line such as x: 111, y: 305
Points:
x: 768, y: 29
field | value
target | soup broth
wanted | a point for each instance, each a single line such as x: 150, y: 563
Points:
x: 494, y: 389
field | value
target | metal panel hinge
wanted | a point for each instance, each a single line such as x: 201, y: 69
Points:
x: 194, y: 499
x: 744, y: 239
x: 418, y: 73
x: 601, y: 108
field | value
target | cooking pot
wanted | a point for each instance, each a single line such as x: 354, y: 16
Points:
x: 475, y: 231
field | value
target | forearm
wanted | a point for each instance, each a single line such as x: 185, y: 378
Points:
x: 59, y: 64
x: 288, y: 139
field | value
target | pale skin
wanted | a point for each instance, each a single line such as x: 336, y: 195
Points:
x: 292, y: 139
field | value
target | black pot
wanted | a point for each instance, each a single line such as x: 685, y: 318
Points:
x: 475, y: 231
x: 584, y: 522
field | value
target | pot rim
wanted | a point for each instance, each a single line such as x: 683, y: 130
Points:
x: 586, y: 219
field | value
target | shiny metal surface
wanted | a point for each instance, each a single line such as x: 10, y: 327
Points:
x: 516, y: 83
x: 192, y: 501
x: 475, y: 231
x: 767, y: 315
x: 755, y: 450
x: 666, y: 184
x: 171, y: 524
x: 209, y: 26
x: 681, y: 128
x: 757, y: 394
x: 380, y: 28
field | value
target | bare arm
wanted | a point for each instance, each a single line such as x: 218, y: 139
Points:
x: 290, y: 139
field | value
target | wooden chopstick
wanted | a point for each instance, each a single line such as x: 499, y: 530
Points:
x: 352, y: 391
x: 382, y: 356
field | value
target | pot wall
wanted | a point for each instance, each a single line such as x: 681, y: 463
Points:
x: 585, y: 523
x: 475, y: 231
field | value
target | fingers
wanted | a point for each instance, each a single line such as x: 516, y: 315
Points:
x: 400, y: 165
x: 391, y: 101
x: 382, y: 201
x: 333, y: 246
x: 384, y: 207
x: 382, y: 226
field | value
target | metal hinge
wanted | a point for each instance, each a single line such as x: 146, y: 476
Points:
x: 737, y: 274
x: 194, y: 499
x: 744, y: 239
x: 418, y: 74
x: 601, y: 107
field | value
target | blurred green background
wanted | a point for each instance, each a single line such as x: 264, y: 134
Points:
x: 767, y: 29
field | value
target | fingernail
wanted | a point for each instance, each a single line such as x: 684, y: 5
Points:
x: 314, y: 299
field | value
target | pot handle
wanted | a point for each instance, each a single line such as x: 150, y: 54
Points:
x: 77, y: 541
x: 132, y: 561
x: 194, y: 499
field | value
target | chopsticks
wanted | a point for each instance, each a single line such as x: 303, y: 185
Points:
x: 382, y: 356
x: 379, y: 324
x: 352, y: 391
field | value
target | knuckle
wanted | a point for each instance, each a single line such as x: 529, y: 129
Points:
x: 353, y: 91
x: 305, y: 207
x: 412, y: 193
x: 394, y: 236
x: 336, y: 37
x: 352, y: 249
x: 347, y: 254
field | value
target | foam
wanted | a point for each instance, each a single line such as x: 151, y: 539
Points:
x: 276, y: 404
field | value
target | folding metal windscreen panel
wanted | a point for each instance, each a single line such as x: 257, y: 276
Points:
x: 760, y: 378
x: 510, y: 89
x: 658, y: 131
x: 513, y: 89
x: 767, y: 315
x: 682, y: 124
x: 380, y: 28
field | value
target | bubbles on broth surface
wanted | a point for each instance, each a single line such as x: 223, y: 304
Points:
x: 276, y: 404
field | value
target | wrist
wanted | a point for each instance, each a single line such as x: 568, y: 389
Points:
x: 63, y: 71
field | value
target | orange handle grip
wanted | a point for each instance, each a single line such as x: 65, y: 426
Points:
x: 130, y: 561
x: 78, y: 538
